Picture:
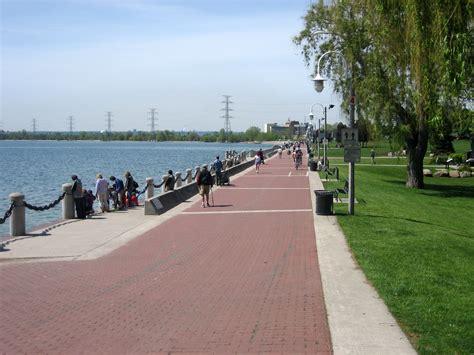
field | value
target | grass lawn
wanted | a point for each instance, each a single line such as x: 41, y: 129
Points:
x: 417, y: 248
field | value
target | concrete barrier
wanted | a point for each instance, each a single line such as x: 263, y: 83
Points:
x: 159, y: 204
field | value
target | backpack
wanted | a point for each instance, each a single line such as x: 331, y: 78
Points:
x: 205, y: 178
x: 135, y: 184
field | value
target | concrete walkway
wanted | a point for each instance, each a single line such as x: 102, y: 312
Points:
x: 242, y: 276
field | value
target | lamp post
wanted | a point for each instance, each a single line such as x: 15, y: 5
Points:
x: 325, y: 112
x: 319, y: 86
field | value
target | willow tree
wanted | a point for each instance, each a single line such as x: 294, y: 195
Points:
x: 409, y: 59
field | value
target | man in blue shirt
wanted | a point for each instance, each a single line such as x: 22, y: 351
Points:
x: 120, y: 190
x: 218, y: 168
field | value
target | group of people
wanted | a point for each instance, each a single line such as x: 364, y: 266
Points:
x: 122, y: 193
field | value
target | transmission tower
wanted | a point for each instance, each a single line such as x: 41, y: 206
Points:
x: 33, y: 125
x: 71, y: 124
x: 152, y: 119
x: 109, y: 120
x: 226, y: 116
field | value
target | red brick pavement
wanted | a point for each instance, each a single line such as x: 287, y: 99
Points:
x: 204, y: 281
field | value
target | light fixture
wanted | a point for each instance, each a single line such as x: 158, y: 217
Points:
x: 319, y: 82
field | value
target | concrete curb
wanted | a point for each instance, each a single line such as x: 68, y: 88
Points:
x: 359, y: 321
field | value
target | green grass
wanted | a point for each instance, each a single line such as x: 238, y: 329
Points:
x: 417, y: 248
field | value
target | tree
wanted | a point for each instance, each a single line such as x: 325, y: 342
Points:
x: 252, y: 133
x: 408, y: 59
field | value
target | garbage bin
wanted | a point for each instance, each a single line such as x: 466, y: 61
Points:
x: 313, y: 165
x: 324, y: 202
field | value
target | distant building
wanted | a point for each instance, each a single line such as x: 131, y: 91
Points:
x: 290, y: 127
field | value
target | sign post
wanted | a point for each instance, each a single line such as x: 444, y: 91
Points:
x: 350, y: 140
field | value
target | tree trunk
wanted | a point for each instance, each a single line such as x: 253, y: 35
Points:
x: 417, y: 145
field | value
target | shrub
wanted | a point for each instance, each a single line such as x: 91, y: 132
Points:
x: 458, y: 158
x: 464, y: 167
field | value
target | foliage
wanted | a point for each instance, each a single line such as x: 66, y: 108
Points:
x: 409, y: 60
x: 416, y: 256
x: 458, y: 158
x: 166, y: 135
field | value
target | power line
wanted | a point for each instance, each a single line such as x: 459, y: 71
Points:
x: 226, y: 116
x: 109, y: 120
x: 152, y: 118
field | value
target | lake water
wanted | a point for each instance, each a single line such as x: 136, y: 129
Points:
x: 39, y: 168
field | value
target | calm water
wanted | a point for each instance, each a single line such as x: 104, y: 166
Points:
x: 39, y: 168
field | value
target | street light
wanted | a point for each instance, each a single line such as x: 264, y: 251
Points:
x: 325, y: 118
x: 319, y: 86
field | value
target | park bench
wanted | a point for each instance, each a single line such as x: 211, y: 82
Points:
x: 331, y: 172
x: 344, y: 190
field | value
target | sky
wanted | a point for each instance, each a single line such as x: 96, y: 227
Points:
x: 83, y: 58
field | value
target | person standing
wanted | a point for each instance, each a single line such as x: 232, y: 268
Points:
x: 372, y: 156
x: 205, y: 182
x: 218, y: 168
x: 170, y: 181
x: 102, y: 193
x: 120, y: 190
x: 129, y: 186
x: 78, y: 196
x: 280, y: 152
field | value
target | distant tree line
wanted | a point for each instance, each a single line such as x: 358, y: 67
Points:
x: 251, y: 134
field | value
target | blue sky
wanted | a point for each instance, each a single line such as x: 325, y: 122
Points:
x: 81, y: 58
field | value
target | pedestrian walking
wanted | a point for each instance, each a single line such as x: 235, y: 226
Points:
x: 205, y: 182
x: 262, y: 157
x: 258, y: 161
x: 372, y: 156
x: 102, y: 193
x: 78, y: 195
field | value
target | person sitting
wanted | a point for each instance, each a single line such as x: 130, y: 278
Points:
x: 89, y: 199
x: 170, y: 181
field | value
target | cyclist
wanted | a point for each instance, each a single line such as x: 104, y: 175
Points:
x: 298, y: 158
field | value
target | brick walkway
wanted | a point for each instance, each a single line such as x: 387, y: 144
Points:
x: 240, y: 277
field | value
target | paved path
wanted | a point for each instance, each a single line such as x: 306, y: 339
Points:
x: 242, y: 276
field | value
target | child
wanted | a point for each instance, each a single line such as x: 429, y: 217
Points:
x: 258, y: 161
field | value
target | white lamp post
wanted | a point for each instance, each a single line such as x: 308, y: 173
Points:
x: 325, y: 118
x: 319, y: 86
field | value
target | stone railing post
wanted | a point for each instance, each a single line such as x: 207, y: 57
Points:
x: 189, y: 176
x: 17, y: 219
x: 178, y: 180
x: 150, y: 189
x: 163, y: 180
x: 68, y: 202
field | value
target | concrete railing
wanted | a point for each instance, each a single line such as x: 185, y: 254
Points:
x: 184, y: 188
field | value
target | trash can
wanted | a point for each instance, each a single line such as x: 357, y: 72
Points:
x: 313, y: 165
x: 324, y: 202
